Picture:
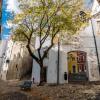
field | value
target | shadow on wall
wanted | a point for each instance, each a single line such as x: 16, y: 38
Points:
x: 20, y: 66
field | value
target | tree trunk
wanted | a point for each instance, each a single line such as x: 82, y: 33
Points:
x: 41, y: 74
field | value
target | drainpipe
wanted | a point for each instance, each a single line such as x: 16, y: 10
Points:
x: 58, y: 62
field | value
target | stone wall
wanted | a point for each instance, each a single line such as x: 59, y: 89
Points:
x: 19, y: 67
x: 17, y: 62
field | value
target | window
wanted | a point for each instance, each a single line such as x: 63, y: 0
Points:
x: 74, y: 69
x: 17, y: 67
x: 7, y: 61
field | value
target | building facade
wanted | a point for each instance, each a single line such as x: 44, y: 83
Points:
x: 15, y: 60
x: 80, y: 60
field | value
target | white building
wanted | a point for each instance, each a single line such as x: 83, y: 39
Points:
x: 82, y: 50
x: 50, y: 66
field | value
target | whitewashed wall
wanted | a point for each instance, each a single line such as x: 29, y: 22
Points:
x: 51, y: 64
x: 63, y: 67
x: 36, y: 72
x: 52, y: 67
x: 86, y: 44
x: 36, y: 67
x: 95, y: 7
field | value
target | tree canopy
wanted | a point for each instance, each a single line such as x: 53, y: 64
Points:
x: 45, y: 18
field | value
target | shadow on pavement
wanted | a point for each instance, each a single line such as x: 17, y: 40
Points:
x: 18, y: 96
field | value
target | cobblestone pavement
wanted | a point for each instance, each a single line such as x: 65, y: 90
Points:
x: 10, y: 91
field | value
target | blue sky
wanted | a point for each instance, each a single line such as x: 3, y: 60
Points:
x: 7, y: 8
x: 88, y: 3
x: 5, y: 16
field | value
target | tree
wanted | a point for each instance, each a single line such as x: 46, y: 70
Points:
x: 45, y: 18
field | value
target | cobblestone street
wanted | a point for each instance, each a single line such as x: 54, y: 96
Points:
x: 11, y: 91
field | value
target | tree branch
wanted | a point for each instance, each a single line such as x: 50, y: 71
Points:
x: 47, y: 50
x: 32, y: 55
x: 46, y: 35
x: 26, y: 24
x: 24, y: 32
x: 54, y: 13
x: 30, y: 51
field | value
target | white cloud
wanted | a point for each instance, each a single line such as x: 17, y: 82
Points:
x: 12, y: 5
x: 5, y: 36
x: 7, y: 24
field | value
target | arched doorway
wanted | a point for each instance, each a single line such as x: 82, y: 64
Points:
x: 77, y: 66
